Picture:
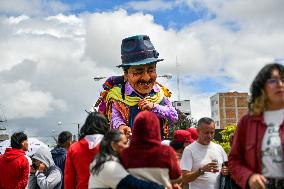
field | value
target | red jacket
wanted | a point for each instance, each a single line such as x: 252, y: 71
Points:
x: 245, y: 155
x: 78, y: 160
x: 14, y: 169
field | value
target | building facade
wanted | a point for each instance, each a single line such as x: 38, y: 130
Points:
x: 228, y: 108
x: 183, y: 106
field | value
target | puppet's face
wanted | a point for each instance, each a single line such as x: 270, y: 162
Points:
x: 142, y: 78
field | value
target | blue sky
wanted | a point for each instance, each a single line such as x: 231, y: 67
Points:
x: 175, y: 16
x: 51, y: 50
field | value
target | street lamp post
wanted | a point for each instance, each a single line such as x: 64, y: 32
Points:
x: 167, y: 76
x: 99, y: 78
x: 78, y: 127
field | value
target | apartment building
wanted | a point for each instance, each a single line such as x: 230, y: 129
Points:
x: 227, y: 108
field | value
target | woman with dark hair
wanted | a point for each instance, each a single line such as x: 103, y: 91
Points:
x: 81, y: 153
x: 256, y: 159
x: 106, y: 166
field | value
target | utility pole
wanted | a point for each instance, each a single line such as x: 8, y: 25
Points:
x: 3, y: 120
x: 78, y: 124
x: 177, y: 68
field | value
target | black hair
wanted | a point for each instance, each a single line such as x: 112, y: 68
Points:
x: 106, y: 151
x: 256, y: 103
x: 96, y: 123
x: 176, y: 145
x: 205, y: 120
x: 64, y: 137
x: 125, y: 70
x: 17, y: 139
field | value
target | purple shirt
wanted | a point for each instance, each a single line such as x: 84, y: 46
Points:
x: 166, y: 111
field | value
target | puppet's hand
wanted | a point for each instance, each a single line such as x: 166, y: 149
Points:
x: 145, y: 105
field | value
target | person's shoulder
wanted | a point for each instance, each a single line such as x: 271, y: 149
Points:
x: 29, y: 159
x: 23, y: 160
x: 249, y: 117
x: 192, y: 146
x: 54, y: 150
x: 248, y: 121
x: 215, y: 145
x: 76, y: 145
x: 167, y: 150
x: 112, y: 164
x: 164, y: 147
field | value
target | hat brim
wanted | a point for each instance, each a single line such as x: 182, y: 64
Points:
x: 141, y: 62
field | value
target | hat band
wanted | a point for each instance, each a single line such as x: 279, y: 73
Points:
x: 138, y: 56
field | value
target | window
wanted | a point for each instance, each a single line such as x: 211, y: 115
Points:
x: 178, y: 104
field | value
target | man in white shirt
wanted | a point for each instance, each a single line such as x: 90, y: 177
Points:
x: 201, y: 162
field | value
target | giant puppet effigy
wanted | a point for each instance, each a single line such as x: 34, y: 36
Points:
x: 137, y: 90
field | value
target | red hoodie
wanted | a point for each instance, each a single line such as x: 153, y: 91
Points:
x: 146, y: 157
x: 14, y: 168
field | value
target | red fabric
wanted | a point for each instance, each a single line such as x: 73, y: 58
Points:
x: 245, y: 155
x: 193, y: 132
x: 78, y: 160
x: 183, y: 136
x: 145, y: 148
x: 14, y: 168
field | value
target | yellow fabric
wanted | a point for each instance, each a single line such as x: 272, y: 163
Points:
x: 115, y: 93
x: 167, y: 92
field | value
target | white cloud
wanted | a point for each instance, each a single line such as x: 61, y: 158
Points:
x: 20, y: 101
x: 16, y: 20
x: 106, y: 30
x: 42, y: 60
x: 32, y: 7
x: 150, y: 5
x: 250, y: 15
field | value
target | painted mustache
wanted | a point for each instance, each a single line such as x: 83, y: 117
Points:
x: 142, y: 82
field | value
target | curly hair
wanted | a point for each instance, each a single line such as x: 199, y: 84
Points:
x: 258, y: 100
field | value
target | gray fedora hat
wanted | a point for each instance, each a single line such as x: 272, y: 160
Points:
x: 138, y: 50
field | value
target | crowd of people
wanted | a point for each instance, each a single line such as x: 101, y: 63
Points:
x: 122, y: 146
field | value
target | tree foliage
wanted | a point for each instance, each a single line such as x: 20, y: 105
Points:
x: 183, y: 122
x: 226, y: 137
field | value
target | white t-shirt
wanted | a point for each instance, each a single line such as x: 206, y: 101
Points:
x: 196, y: 156
x: 271, y: 149
x: 109, y: 177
